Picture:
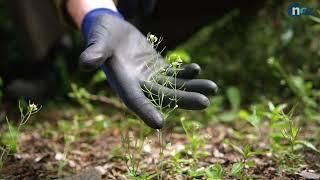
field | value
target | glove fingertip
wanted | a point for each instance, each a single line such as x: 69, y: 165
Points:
x: 90, y: 61
x: 212, y: 87
x: 154, y: 120
x: 195, y: 68
x: 158, y: 121
x: 202, y: 102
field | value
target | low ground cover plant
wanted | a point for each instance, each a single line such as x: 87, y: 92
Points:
x: 10, y: 137
x: 264, y: 123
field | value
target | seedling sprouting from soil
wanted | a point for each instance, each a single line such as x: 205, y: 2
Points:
x: 191, y: 129
x: 239, y: 168
x: 133, y: 151
x: 284, y: 135
x: 9, y: 139
x: 70, y: 131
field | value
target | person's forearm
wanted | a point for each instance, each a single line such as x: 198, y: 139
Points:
x: 77, y: 9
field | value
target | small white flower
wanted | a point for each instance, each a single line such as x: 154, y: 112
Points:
x: 99, y: 117
x: 271, y: 61
x: 153, y: 38
x: 147, y: 148
x: 59, y: 156
x: 33, y: 107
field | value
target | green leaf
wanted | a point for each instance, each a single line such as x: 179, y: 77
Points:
x: 257, y: 152
x: 234, y: 97
x: 179, y: 53
x: 281, y: 107
x: 195, y: 173
x: 271, y: 106
x: 250, y: 164
x: 237, y: 168
x: 216, y: 106
x: 308, y: 145
x: 235, y: 147
x: 243, y: 114
x: 10, y: 140
x: 247, y: 149
x: 285, y: 134
x: 98, y: 77
x: 294, y: 132
x: 214, y: 172
x: 314, y: 18
x: 254, y: 119
x: 228, y: 116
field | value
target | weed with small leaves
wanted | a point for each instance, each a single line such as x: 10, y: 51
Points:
x: 301, y: 88
x: 9, y: 139
x: 239, y: 168
x: 214, y: 172
x: 157, y: 99
x: 132, y: 145
x: 284, y: 136
x: 70, y: 131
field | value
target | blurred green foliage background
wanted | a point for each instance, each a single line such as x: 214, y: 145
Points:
x: 232, y: 50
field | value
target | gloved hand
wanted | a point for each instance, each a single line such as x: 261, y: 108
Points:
x: 130, y: 62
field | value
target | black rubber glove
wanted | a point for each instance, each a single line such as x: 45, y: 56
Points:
x: 130, y: 61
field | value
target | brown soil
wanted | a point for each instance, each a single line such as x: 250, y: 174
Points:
x: 38, y: 156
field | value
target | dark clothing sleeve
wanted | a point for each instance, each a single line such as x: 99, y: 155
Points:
x: 131, y: 8
x: 41, y: 22
x: 128, y: 8
x: 38, y: 25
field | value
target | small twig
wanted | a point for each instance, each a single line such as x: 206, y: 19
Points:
x: 107, y: 100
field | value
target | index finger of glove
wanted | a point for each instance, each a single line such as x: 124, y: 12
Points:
x: 93, y: 56
x: 202, y: 86
x: 136, y: 101
x: 188, y: 71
